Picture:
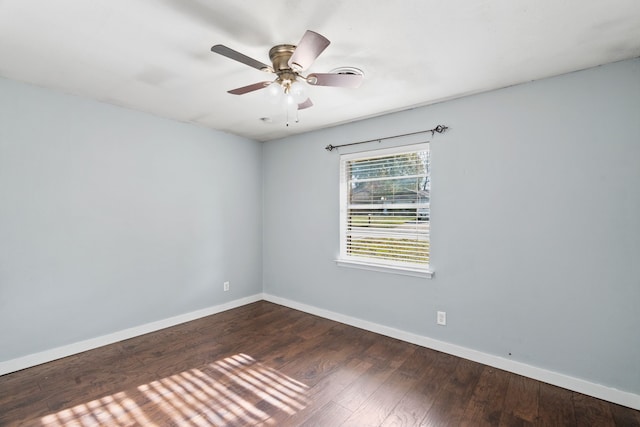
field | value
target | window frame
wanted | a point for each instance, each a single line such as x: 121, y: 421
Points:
x: 370, y: 263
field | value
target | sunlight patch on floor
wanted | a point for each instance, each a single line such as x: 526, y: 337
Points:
x: 237, y: 389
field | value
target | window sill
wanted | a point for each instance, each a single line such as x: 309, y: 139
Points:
x: 415, y: 272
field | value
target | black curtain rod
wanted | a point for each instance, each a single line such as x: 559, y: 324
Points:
x: 438, y: 129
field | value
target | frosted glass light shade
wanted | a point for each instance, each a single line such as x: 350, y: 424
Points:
x: 299, y: 92
x: 274, y: 93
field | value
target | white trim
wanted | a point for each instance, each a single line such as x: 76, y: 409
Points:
x: 372, y: 263
x: 599, y: 391
x: 382, y: 152
x: 92, y: 343
x: 405, y: 271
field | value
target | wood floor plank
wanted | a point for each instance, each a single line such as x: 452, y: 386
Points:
x: 521, y: 403
x: 414, y: 405
x: 323, y: 392
x: 555, y: 407
x: 279, y: 355
x: 362, y: 388
x: 381, y: 403
x: 264, y: 364
x: 17, y: 397
x: 623, y: 416
x: 409, y: 411
x: 592, y: 412
x: 313, y: 326
x: 389, y: 351
x: 330, y: 414
x: 453, y: 397
x: 487, y: 402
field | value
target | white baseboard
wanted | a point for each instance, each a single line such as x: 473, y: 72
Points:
x: 78, y: 347
x: 576, y: 384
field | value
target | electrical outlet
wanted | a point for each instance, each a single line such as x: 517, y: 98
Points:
x: 441, y: 318
x: 226, y: 286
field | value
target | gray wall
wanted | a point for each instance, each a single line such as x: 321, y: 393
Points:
x: 535, y: 225
x: 111, y: 218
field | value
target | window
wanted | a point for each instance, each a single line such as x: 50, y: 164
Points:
x: 384, y: 209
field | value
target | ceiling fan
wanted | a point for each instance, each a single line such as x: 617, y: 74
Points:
x: 288, y: 63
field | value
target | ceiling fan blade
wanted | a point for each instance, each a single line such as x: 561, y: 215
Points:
x: 237, y: 56
x: 250, y: 88
x: 334, y: 79
x: 305, y: 104
x: 309, y: 48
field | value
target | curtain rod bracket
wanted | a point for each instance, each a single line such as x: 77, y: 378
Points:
x: 437, y: 129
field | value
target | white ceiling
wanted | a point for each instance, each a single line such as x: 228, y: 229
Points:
x: 154, y: 55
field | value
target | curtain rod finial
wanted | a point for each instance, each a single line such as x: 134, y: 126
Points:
x: 330, y: 147
x: 439, y: 129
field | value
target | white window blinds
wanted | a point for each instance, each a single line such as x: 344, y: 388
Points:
x: 384, y: 200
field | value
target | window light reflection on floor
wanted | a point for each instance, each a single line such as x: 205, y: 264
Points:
x: 224, y: 392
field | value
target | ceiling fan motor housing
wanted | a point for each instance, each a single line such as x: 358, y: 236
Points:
x: 279, y: 56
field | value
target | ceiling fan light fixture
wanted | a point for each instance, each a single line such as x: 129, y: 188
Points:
x: 298, y: 92
x: 274, y: 93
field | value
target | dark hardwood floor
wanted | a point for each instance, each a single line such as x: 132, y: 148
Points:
x: 264, y: 364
